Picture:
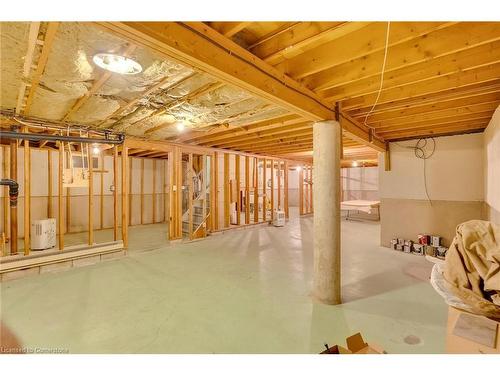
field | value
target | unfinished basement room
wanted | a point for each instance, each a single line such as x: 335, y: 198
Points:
x: 250, y: 187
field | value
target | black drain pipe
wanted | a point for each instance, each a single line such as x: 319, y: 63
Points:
x: 13, y: 190
x: 51, y: 137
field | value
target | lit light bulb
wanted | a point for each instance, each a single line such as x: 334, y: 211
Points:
x: 180, y: 126
x: 95, y: 150
x: 298, y: 169
x: 117, y: 64
x: 355, y: 163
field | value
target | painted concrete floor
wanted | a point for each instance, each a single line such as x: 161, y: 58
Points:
x: 244, y: 291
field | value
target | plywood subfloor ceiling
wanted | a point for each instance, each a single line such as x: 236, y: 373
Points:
x: 440, y: 78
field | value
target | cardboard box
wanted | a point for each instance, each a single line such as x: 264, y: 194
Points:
x: 355, y: 345
x: 468, y: 333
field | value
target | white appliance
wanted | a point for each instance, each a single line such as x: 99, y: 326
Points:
x: 43, y: 234
x: 279, y: 218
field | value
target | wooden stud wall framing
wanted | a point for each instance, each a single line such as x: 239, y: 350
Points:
x: 247, y: 189
x: 264, y: 189
x: 27, y: 196
x: 154, y: 191
x: 215, y: 198
x: 227, y: 195
x: 125, y: 198
x: 285, y: 190
x: 279, y: 185
x: 101, y: 193
x: 272, y: 190
x: 60, y: 194
x: 13, y: 210
x: 115, y: 193
x: 6, y: 174
x: 301, y: 190
x: 255, y: 190
x: 142, y: 190
x: 238, y: 190
x: 91, y: 196
x: 49, y: 183
x: 190, y: 175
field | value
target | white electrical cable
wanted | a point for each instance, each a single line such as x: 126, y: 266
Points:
x: 382, y: 73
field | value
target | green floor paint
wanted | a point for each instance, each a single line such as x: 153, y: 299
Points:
x: 245, y: 291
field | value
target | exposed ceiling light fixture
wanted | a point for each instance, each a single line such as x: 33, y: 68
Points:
x: 355, y: 163
x: 116, y: 63
x: 180, y: 126
x: 95, y: 149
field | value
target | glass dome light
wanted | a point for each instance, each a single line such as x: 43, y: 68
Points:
x: 116, y: 63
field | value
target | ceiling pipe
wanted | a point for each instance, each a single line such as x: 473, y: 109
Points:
x: 49, y: 137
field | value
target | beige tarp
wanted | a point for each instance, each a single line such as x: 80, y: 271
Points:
x: 472, y: 266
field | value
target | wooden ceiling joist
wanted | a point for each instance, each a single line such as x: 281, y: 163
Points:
x: 50, y: 34
x: 451, y: 64
x: 229, y: 29
x: 239, y: 131
x: 364, y: 41
x: 433, y: 46
x: 470, y: 77
x: 105, y: 76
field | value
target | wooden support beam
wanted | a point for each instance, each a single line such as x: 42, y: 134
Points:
x: 247, y: 189
x: 91, y: 197
x: 238, y: 189
x: 27, y: 196
x: 125, y: 193
x: 285, y: 187
x: 42, y: 63
x: 95, y: 87
x: 279, y: 185
x: 68, y: 210
x: 200, y: 46
x: 142, y: 191
x: 264, y: 189
x: 215, y: 198
x: 101, y: 195
x: 311, y: 206
x: 131, y: 195
x: 163, y: 189
x: 28, y: 63
x: 50, y: 178
x: 226, y: 191
x: 255, y: 190
x: 272, y: 190
x: 115, y: 193
x: 154, y: 191
x: 387, y: 158
x: 301, y: 190
x: 60, y: 194
x: 190, y: 175
x: 228, y: 29
x: 6, y: 203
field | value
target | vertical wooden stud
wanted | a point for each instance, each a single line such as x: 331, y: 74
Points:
x: 125, y: 198
x: 163, y: 189
x: 226, y: 190
x: 264, y: 189
x: 279, y: 184
x: 272, y: 189
x: 216, y: 191
x: 115, y: 193
x: 6, y: 203
x: 130, y: 192
x: 27, y: 196
x: 91, y: 196
x: 238, y: 190
x: 142, y: 190
x: 285, y: 190
x: 101, y: 196
x: 301, y: 190
x: 60, y: 208
x: 311, y: 205
x: 255, y: 190
x: 154, y: 191
x: 50, y: 177
x: 247, y: 189
x: 190, y: 174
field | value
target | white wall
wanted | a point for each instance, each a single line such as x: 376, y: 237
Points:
x: 360, y: 183
x: 492, y: 167
x: 454, y: 173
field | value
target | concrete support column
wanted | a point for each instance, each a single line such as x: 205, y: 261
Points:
x: 326, y: 185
